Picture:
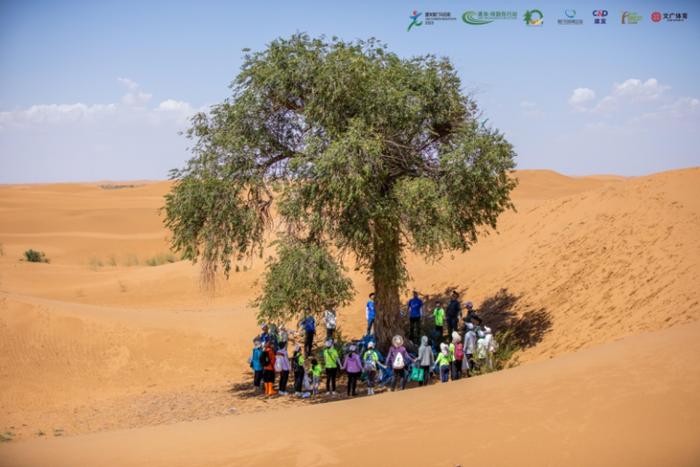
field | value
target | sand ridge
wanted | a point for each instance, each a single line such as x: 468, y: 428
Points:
x: 98, y: 340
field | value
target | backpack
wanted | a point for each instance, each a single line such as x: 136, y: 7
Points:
x: 370, y: 363
x: 398, y: 361
x: 264, y: 358
x: 459, y: 351
x: 278, y: 364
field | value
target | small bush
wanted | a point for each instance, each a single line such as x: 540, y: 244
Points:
x: 95, y: 263
x: 131, y: 260
x: 112, y: 261
x: 7, y: 437
x: 161, y: 258
x: 34, y: 256
x: 2, y: 251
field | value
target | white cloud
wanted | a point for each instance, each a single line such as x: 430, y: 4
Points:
x: 635, y: 89
x: 580, y: 97
x: 131, y: 137
x: 134, y: 96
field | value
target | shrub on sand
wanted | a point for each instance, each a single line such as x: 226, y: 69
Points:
x: 34, y: 256
x: 161, y: 258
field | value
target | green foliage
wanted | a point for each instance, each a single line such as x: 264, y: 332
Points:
x: 302, y: 275
x: 365, y: 153
x: 504, y: 356
x: 95, y: 263
x: 34, y: 256
x: 6, y: 437
x: 161, y: 258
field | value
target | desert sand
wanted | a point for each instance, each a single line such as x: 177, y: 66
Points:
x: 105, y: 360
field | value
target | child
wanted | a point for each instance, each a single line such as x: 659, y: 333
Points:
x: 481, y: 347
x: 298, y: 367
x: 353, y: 366
x: 331, y: 361
x: 330, y: 320
x: 491, y: 346
x: 315, y: 375
x: 267, y: 359
x: 457, y: 351
x: 470, y: 347
x: 256, y: 365
x: 282, y: 338
x: 371, y: 365
x: 398, y: 358
x: 426, y: 359
x: 439, y: 316
x: 282, y: 367
x: 443, y: 362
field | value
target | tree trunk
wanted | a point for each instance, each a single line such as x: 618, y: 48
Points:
x: 388, y: 274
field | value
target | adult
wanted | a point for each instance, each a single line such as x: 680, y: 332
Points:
x: 309, y: 326
x: 471, y: 314
x: 371, y: 314
x: 398, y: 359
x: 453, y: 313
x: 331, y: 360
x: 415, y: 312
x: 439, y: 316
x: 329, y: 317
x: 353, y: 367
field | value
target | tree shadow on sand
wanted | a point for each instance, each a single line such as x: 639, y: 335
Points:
x: 529, y: 326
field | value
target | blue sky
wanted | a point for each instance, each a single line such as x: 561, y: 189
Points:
x: 99, y: 90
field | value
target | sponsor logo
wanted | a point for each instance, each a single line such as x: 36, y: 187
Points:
x: 630, y: 17
x: 657, y: 17
x: 570, y: 19
x: 414, y: 20
x: 600, y: 16
x: 429, y: 18
x: 479, y: 18
x: 533, y: 18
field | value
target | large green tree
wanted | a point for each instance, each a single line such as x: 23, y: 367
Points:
x: 363, y: 152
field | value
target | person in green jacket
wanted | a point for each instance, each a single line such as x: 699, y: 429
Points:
x: 444, y: 361
x: 439, y: 316
x: 331, y: 361
x: 371, y: 365
x: 315, y: 375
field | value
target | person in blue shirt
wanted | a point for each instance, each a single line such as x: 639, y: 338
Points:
x: 309, y: 325
x: 255, y: 364
x: 371, y: 314
x: 415, y: 312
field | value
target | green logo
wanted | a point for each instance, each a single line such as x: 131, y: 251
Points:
x: 533, y: 18
x: 469, y: 17
x: 414, y: 20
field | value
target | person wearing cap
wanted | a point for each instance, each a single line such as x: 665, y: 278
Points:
x: 481, y: 347
x: 371, y: 366
x: 331, y: 361
x: 353, y: 367
x: 415, y: 312
x: 426, y: 359
x: 471, y: 314
x: 491, y: 346
x: 453, y: 312
x: 255, y: 364
x: 398, y: 358
x: 469, y: 347
x: 443, y: 362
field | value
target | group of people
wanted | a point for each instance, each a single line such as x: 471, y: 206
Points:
x: 466, y: 348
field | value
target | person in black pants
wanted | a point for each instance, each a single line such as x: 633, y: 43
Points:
x: 309, y: 325
x: 298, y: 368
x: 453, y: 313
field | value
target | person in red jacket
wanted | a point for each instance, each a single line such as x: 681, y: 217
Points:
x: 268, y: 363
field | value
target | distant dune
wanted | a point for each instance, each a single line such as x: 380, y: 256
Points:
x: 100, y: 340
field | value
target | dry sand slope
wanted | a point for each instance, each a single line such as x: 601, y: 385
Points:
x: 600, y: 406
x: 99, y: 340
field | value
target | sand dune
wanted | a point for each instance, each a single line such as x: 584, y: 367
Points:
x: 631, y: 402
x: 98, y: 340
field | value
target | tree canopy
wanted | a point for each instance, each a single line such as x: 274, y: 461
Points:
x: 363, y: 152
